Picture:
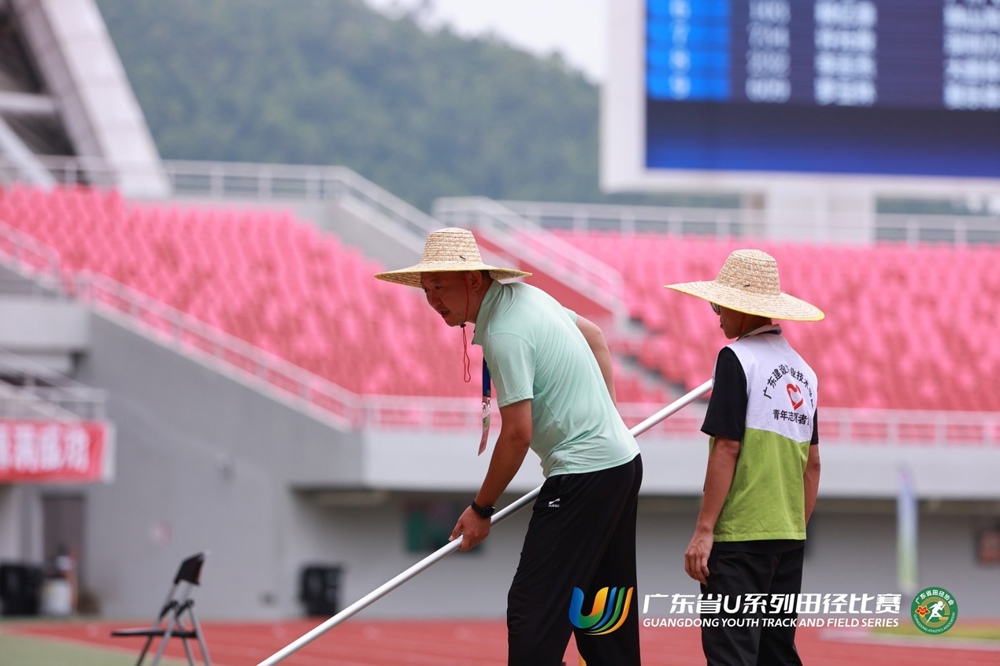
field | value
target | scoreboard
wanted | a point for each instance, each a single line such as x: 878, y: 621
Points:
x: 931, y: 54
x: 864, y: 87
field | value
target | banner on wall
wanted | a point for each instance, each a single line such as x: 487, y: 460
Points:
x: 39, y: 451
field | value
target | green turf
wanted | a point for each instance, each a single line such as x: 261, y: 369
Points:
x: 987, y: 632
x: 23, y: 650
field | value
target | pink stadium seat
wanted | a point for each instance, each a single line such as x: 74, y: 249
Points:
x: 895, y: 337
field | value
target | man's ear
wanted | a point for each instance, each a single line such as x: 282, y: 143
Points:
x: 475, y: 280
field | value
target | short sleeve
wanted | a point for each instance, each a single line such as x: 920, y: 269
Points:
x: 511, y: 362
x: 727, y: 409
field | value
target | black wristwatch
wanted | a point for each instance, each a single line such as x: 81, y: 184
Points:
x: 482, y: 511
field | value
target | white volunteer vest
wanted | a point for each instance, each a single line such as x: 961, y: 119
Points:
x: 767, y: 496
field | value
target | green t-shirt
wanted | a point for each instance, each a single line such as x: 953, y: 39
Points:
x: 535, y: 351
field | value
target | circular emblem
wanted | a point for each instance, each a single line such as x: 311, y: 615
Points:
x: 934, y: 610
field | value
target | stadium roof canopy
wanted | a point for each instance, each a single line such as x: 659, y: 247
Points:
x: 64, y: 92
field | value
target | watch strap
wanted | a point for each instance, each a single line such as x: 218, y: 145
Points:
x: 482, y: 511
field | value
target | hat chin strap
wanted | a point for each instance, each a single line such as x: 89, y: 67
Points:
x: 467, y: 363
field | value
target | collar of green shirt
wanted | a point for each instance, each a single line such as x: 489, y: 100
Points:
x: 490, y: 299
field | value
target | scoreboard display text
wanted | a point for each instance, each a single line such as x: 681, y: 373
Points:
x: 904, y: 87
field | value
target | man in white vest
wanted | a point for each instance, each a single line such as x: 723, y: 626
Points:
x: 763, y: 467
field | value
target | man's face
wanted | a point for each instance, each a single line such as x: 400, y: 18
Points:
x: 448, y: 293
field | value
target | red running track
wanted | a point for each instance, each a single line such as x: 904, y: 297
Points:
x: 483, y: 643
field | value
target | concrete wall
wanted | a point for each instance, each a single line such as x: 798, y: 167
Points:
x: 370, y: 545
x: 675, y: 465
x: 40, y: 326
x: 851, y: 551
x: 20, y: 522
x: 204, y: 462
x: 30, y: 326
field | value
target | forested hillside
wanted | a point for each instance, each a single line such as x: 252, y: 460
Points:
x: 424, y: 114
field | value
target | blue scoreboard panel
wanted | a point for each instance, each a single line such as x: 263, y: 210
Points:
x: 900, y: 87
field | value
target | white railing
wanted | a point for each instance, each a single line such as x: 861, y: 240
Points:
x: 243, y: 180
x: 734, y: 222
x: 31, y: 388
x: 13, y: 286
x: 221, y: 180
x: 524, y: 239
x: 308, y: 183
x: 911, y: 427
x: 48, y: 403
x: 859, y: 427
x: 954, y: 229
x: 227, y: 180
x: 721, y: 222
x: 33, y: 258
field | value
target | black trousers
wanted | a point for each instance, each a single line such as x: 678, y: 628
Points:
x: 581, y: 535
x: 734, y: 573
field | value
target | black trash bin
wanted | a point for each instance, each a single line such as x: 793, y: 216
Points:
x: 20, y: 588
x: 319, y: 590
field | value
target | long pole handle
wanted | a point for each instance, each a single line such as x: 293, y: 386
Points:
x: 452, y: 546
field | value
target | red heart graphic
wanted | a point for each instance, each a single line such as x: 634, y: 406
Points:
x: 795, y: 395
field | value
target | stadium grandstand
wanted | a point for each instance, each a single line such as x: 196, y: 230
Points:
x: 196, y: 357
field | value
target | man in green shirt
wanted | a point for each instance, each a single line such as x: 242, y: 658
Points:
x: 555, y: 389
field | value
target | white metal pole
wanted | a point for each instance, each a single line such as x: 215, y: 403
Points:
x: 452, y: 546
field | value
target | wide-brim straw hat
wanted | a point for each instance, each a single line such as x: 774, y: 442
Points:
x: 748, y: 282
x: 448, y: 250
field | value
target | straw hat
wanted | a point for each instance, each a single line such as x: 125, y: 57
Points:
x: 448, y: 250
x: 748, y: 282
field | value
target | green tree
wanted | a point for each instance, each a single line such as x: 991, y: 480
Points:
x: 422, y: 113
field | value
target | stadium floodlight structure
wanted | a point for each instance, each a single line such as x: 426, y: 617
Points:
x: 809, y: 109
x: 452, y: 546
